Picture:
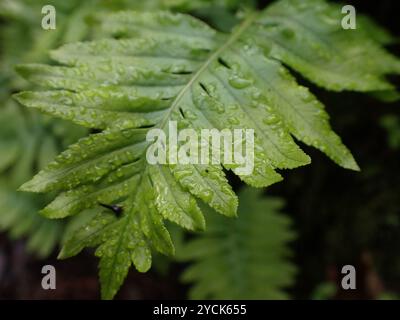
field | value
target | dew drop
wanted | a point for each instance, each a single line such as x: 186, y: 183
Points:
x: 270, y: 120
x: 233, y: 120
x: 239, y: 83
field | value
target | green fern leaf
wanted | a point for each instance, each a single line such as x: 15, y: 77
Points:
x: 152, y: 68
x: 242, y: 258
x: 28, y: 142
x: 308, y: 36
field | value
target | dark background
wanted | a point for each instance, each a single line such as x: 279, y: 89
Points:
x: 341, y: 217
x: 345, y: 217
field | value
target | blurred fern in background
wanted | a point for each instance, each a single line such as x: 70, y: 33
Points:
x: 247, y: 257
x: 391, y: 123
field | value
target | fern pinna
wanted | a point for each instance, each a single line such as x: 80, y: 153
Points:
x: 152, y: 68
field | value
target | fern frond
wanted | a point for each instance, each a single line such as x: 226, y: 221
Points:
x: 308, y: 36
x: 180, y: 5
x: 28, y: 142
x: 152, y: 68
x: 242, y: 258
x: 25, y: 40
x: 20, y: 154
x: 18, y: 218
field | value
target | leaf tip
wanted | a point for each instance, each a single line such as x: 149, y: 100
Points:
x: 24, y: 70
x: 27, y: 187
x: 63, y: 254
x: 351, y: 164
x: 31, y: 186
x: 21, y: 97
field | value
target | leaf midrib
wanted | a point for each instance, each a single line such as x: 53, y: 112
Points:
x: 234, y: 36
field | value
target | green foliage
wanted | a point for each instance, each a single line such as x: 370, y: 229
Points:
x: 391, y: 123
x: 324, y: 291
x: 324, y: 53
x: 388, y: 296
x: 242, y: 258
x: 154, y: 67
x: 29, y: 141
x: 19, y: 218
